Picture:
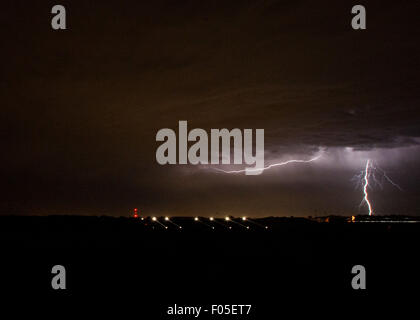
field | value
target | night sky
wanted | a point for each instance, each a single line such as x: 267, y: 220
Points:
x: 80, y: 108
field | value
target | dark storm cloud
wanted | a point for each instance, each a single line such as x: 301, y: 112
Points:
x: 81, y: 107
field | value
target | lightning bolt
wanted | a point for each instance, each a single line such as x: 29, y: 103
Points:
x: 388, y: 178
x: 366, y: 199
x: 369, y: 177
x: 269, y: 166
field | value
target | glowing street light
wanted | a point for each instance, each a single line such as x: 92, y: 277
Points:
x: 202, y: 222
x: 154, y: 219
x: 171, y: 222
x: 256, y: 223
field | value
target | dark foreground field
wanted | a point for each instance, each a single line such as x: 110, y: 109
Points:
x: 140, y: 265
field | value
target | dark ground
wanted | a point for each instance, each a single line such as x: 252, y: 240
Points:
x: 124, y: 262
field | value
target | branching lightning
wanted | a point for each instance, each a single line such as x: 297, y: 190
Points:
x: 365, y: 191
x: 270, y: 166
x: 371, y: 176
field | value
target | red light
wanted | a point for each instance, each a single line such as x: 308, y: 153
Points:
x: 136, y: 215
x: 135, y: 209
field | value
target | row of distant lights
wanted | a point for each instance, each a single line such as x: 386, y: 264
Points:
x: 211, y: 219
